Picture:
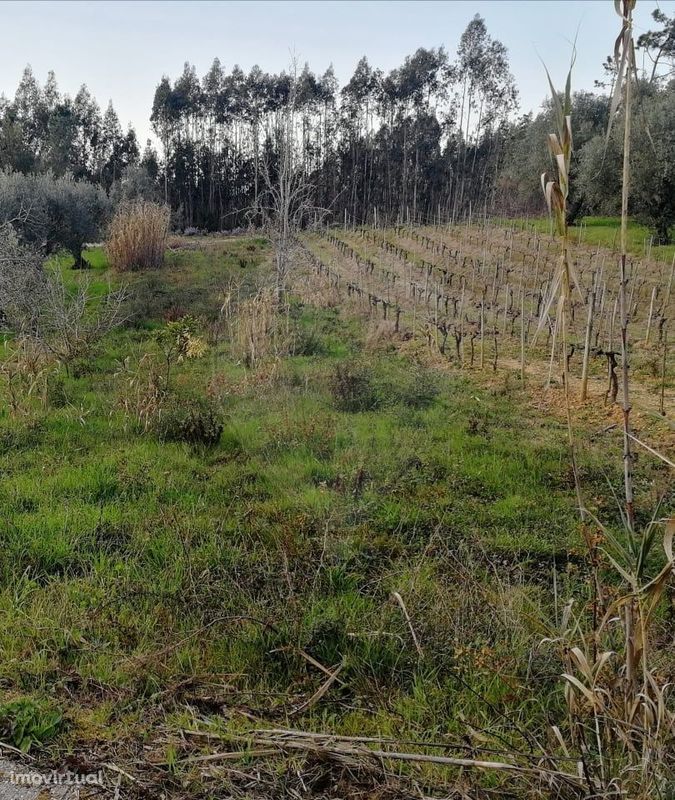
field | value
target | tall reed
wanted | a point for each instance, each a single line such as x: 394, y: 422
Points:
x: 137, y: 236
x: 624, y: 53
x: 556, y: 191
x: 620, y: 711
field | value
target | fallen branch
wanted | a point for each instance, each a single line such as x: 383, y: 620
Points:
x: 320, y: 692
x: 345, y: 749
x: 651, y: 450
x: 397, y: 597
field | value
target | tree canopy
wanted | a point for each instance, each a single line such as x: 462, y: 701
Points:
x: 436, y: 137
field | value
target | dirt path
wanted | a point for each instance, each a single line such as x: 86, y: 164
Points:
x: 659, y: 430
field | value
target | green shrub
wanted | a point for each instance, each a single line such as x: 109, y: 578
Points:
x: 352, y: 388
x: 356, y: 386
x: 150, y: 300
x: 193, y: 420
x: 57, y: 396
x: 417, y: 389
x: 328, y: 641
x: 307, y: 342
x: 25, y: 723
x: 21, y: 436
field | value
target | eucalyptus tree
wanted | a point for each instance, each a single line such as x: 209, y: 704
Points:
x: 380, y: 142
x: 187, y: 106
x: 327, y: 126
x: 421, y: 87
x: 88, y: 132
x: 27, y: 113
x: 115, y: 151
x: 359, y: 107
x: 488, y: 95
x: 395, y: 142
x: 162, y: 121
x: 256, y: 108
x: 307, y: 99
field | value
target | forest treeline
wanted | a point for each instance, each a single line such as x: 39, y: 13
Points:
x: 438, y: 137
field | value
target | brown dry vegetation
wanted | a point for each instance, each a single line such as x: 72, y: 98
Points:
x: 137, y: 237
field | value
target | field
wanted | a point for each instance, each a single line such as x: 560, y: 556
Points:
x: 470, y: 288
x: 603, y: 231
x: 380, y: 541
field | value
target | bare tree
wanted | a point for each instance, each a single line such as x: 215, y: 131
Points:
x: 71, y: 322
x: 22, y: 282
x: 287, y: 200
x: 36, y: 303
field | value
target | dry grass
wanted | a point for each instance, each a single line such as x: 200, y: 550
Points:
x: 381, y: 334
x: 258, y: 330
x: 138, y: 236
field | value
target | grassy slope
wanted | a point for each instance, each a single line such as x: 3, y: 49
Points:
x: 129, y: 565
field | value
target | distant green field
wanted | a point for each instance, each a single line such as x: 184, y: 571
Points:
x: 604, y: 231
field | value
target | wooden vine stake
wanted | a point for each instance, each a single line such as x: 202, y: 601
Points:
x: 589, y: 332
x: 662, y: 393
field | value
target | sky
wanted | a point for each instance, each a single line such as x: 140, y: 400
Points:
x: 121, y: 49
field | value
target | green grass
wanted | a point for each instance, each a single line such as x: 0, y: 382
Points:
x: 129, y: 566
x: 97, y: 276
x: 605, y: 232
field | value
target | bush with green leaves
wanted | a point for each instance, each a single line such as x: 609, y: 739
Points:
x: 352, y: 388
x: 652, y: 199
x: 195, y: 420
x: 26, y: 723
x: 307, y: 341
x: 418, y: 387
x: 653, y: 168
x: 178, y: 341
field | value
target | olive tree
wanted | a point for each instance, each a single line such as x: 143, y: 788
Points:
x: 53, y: 213
x: 654, y: 165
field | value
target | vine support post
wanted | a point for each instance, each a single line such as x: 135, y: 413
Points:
x: 589, y: 332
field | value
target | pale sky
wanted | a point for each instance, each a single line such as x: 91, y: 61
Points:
x: 121, y: 49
